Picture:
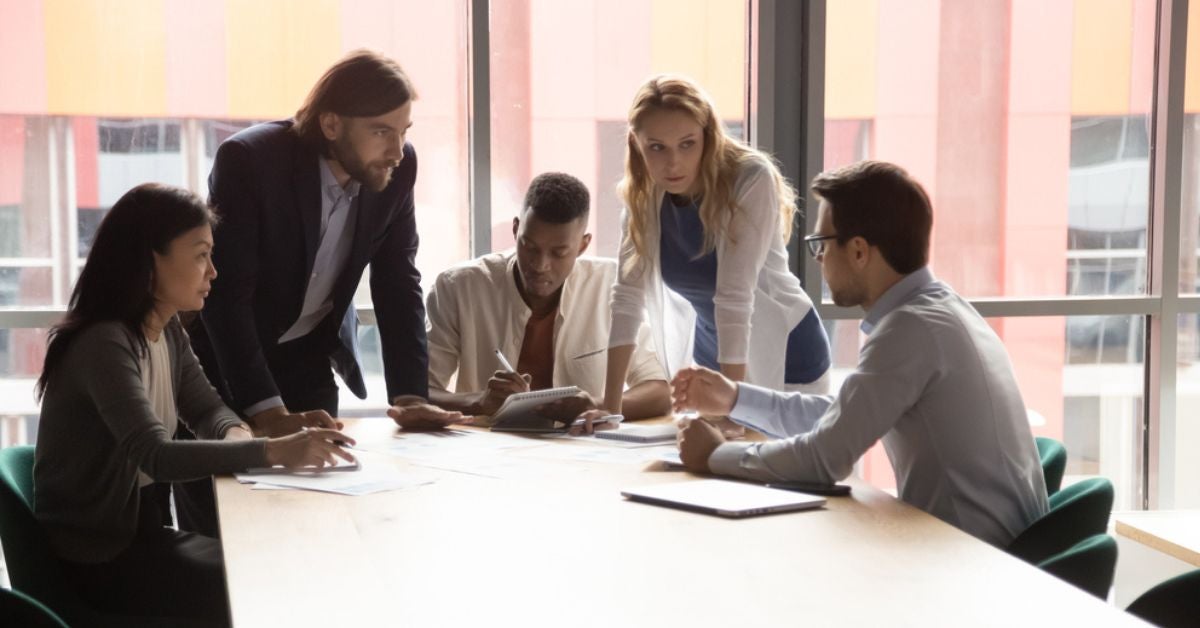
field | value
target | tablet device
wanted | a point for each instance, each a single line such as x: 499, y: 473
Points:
x: 723, y: 498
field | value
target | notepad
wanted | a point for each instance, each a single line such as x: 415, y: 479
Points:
x: 525, y: 412
x: 723, y: 498
x: 641, y: 433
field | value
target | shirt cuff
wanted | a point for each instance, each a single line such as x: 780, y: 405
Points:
x: 727, y: 458
x: 753, y: 404
x: 265, y: 404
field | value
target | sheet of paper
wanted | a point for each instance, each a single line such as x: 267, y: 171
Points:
x: 373, y: 478
x: 611, y: 455
x: 488, y: 466
x: 441, y: 444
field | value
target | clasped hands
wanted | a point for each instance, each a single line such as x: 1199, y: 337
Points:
x: 712, y: 395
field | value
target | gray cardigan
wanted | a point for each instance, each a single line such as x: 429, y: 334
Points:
x: 97, y: 429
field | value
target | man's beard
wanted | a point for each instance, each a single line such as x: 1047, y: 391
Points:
x: 375, y: 177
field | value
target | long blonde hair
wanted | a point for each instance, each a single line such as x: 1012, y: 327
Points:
x: 720, y: 164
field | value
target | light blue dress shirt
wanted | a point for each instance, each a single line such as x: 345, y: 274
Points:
x: 338, y: 209
x: 934, y: 382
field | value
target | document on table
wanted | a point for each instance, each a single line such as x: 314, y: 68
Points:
x: 607, y: 454
x: 372, y: 478
x: 440, y: 444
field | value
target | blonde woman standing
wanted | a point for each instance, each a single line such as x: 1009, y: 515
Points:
x: 703, y: 252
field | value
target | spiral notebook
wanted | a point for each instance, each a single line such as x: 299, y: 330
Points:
x: 529, y: 412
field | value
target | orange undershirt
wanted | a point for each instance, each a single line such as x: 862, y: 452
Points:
x: 537, y: 350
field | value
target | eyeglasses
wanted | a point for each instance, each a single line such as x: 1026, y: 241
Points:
x: 816, y: 244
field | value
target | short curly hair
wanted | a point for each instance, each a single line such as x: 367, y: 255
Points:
x: 557, y: 198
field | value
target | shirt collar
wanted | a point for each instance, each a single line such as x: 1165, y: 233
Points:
x: 330, y: 187
x: 900, y: 293
x: 564, y: 301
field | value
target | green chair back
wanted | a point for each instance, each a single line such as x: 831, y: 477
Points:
x: 19, y: 609
x: 1173, y: 603
x: 1088, y: 565
x: 1076, y: 513
x: 1054, y: 462
x: 33, y: 567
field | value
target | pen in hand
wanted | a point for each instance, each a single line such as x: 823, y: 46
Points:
x: 504, y: 362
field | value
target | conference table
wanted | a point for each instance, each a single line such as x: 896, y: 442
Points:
x: 1175, y: 533
x: 534, y: 532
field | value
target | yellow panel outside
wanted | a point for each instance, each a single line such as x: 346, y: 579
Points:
x: 851, y: 51
x: 105, y: 57
x: 706, y: 42
x: 277, y: 49
x: 1191, y: 86
x: 1101, y: 54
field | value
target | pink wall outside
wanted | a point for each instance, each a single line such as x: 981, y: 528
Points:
x: 1036, y: 197
x: 23, y: 58
x: 196, y: 59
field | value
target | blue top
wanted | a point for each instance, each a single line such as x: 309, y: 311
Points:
x: 695, y: 279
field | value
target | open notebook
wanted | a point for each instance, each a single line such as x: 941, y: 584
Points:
x: 723, y: 497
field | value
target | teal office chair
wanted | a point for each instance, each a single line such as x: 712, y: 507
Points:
x: 32, y: 566
x: 19, y: 609
x: 1054, y: 462
x: 1171, y: 604
x: 1076, y: 513
x: 1088, y: 565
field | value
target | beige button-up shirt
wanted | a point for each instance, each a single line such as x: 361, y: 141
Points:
x: 474, y: 308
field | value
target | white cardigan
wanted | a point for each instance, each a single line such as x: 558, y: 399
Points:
x: 758, y: 300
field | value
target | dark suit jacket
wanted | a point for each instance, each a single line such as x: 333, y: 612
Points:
x: 265, y: 186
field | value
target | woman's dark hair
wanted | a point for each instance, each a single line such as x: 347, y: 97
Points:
x: 362, y: 85
x: 116, y: 283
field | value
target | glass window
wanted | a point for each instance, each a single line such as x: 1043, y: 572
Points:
x: 1181, y: 449
x: 21, y: 352
x: 1026, y: 123
x: 553, y: 111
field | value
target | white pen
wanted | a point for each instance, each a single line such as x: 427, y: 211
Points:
x: 608, y: 418
x: 504, y: 362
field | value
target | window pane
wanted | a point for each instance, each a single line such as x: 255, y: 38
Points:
x: 21, y: 353
x: 1182, y: 448
x: 1189, y: 232
x: 559, y: 111
x: 1081, y: 379
x: 1025, y: 121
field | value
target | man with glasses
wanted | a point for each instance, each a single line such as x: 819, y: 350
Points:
x: 933, y: 380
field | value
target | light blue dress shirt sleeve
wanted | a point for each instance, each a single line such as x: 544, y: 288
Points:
x: 777, y: 414
x: 892, y: 374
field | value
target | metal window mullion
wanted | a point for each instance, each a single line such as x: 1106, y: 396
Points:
x: 786, y: 69
x: 1162, y: 330
x: 479, y: 126
x: 71, y: 208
